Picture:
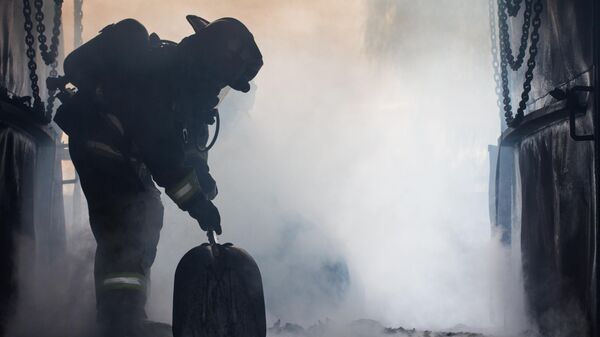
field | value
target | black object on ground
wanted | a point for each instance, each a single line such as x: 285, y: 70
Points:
x: 218, y: 292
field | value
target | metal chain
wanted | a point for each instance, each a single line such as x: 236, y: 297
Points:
x: 508, y: 115
x: 78, y: 22
x: 515, y: 63
x: 50, y: 57
x: 494, y: 50
x: 533, y: 50
x: 52, y: 93
x: 41, y: 28
x: 50, y: 54
x: 54, y: 54
x: 513, y: 7
x: 55, y: 41
x: 505, y: 56
x: 31, y: 64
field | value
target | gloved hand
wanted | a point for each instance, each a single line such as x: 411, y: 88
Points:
x: 205, y: 212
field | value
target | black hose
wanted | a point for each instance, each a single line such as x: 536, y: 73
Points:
x: 215, y: 136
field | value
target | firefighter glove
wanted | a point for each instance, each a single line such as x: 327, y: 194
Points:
x: 205, y: 212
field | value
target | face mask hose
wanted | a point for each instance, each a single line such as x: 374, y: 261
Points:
x: 215, y: 136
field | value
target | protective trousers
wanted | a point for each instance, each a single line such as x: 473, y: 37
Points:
x: 126, y: 217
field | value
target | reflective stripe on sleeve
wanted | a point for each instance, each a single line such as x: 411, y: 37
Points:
x: 124, y: 281
x: 184, y: 189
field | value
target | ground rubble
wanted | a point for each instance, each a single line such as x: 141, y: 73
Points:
x: 358, y: 328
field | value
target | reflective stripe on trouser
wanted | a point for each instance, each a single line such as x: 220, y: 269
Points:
x: 127, y: 236
x: 131, y: 281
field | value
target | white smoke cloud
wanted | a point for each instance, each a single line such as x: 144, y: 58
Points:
x: 358, y: 175
x: 372, y: 154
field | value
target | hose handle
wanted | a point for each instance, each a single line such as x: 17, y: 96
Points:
x: 212, y: 237
x: 213, y: 241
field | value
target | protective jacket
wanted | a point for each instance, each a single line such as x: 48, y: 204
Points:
x: 141, y: 114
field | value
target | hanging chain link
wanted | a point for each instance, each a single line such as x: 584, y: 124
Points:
x: 49, y: 56
x: 31, y: 64
x: 40, y: 27
x: 515, y: 63
x: 78, y: 21
x: 55, y: 41
x: 533, y: 50
x: 513, y: 7
x: 507, y: 59
x: 494, y: 49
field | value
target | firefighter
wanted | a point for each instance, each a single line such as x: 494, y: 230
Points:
x: 140, y: 115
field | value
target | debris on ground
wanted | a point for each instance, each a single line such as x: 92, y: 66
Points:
x: 358, y: 328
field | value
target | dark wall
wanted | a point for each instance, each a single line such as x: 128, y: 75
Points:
x: 17, y: 170
x: 32, y: 225
x: 554, y: 203
x: 558, y: 228
x: 31, y: 206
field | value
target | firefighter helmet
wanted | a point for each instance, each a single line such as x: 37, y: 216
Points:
x: 223, y: 51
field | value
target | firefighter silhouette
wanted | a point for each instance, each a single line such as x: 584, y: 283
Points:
x: 141, y: 114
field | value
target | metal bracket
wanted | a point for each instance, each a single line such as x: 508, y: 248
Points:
x: 570, y: 95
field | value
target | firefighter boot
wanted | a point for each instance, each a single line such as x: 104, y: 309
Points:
x: 121, y: 313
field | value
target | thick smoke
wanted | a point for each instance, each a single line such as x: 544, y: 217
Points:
x: 356, y: 173
x: 365, y: 153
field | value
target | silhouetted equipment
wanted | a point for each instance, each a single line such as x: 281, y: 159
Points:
x: 119, y: 52
x: 118, y: 49
x: 218, y: 293
x: 574, y: 107
x: 107, y: 60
